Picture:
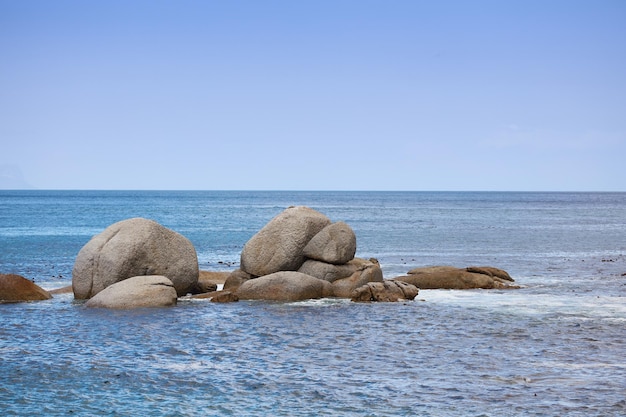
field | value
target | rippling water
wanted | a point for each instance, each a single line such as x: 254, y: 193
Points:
x: 554, y: 347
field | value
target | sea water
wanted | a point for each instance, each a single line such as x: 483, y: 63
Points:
x: 555, y: 347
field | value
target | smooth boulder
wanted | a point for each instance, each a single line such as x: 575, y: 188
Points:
x: 134, y: 247
x: 334, y: 244
x: 284, y: 286
x: 450, y: 277
x: 279, y: 245
x: 386, y: 291
x: 15, y: 288
x: 136, y: 292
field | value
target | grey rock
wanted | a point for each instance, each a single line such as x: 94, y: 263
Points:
x: 334, y: 244
x: 136, y: 292
x: 284, y: 286
x: 134, y: 247
x: 279, y: 245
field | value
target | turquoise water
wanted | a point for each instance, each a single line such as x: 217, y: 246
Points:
x: 554, y: 347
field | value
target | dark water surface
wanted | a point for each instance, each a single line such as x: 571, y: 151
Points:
x: 555, y: 347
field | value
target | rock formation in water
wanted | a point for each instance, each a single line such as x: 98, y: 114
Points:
x: 279, y: 245
x: 284, y: 286
x: 134, y: 247
x: 450, y: 277
x: 303, y: 240
x: 15, y: 288
x: 388, y: 291
x: 136, y: 292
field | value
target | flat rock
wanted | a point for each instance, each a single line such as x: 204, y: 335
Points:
x: 450, y: 277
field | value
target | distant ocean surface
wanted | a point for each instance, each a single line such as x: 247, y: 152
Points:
x: 555, y: 347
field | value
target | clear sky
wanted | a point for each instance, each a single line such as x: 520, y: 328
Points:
x: 314, y: 95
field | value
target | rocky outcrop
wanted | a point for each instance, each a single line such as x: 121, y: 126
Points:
x: 279, y: 245
x: 284, y: 286
x: 491, y: 271
x: 366, y: 271
x: 15, y: 288
x: 134, y: 247
x: 304, y: 240
x: 334, y: 244
x: 136, y: 292
x: 449, y: 277
x: 389, y: 291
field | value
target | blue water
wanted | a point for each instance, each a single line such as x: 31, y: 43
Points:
x: 555, y: 347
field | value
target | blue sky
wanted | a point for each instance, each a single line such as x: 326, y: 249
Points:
x: 314, y: 95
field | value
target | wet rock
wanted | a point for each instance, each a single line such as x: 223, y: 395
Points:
x: 136, y: 292
x: 15, y: 288
x: 386, y: 291
x: 366, y: 271
x: 62, y: 290
x: 134, y: 247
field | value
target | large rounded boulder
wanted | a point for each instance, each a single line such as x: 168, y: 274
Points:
x: 284, y: 286
x: 136, y: 292
x: 15, y: 288
x: 134, y: 247
x: 334, y: 244
x: 279, y: 245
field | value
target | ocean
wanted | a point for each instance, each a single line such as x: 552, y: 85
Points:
x: 554, y: 347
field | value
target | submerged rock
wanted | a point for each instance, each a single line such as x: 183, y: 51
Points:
x: 134, y: 247
x: 15, y: 288
x: 218, y: 296
x: 136, y: 292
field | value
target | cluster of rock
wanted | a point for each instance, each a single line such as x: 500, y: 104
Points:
x: 300, y: 254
